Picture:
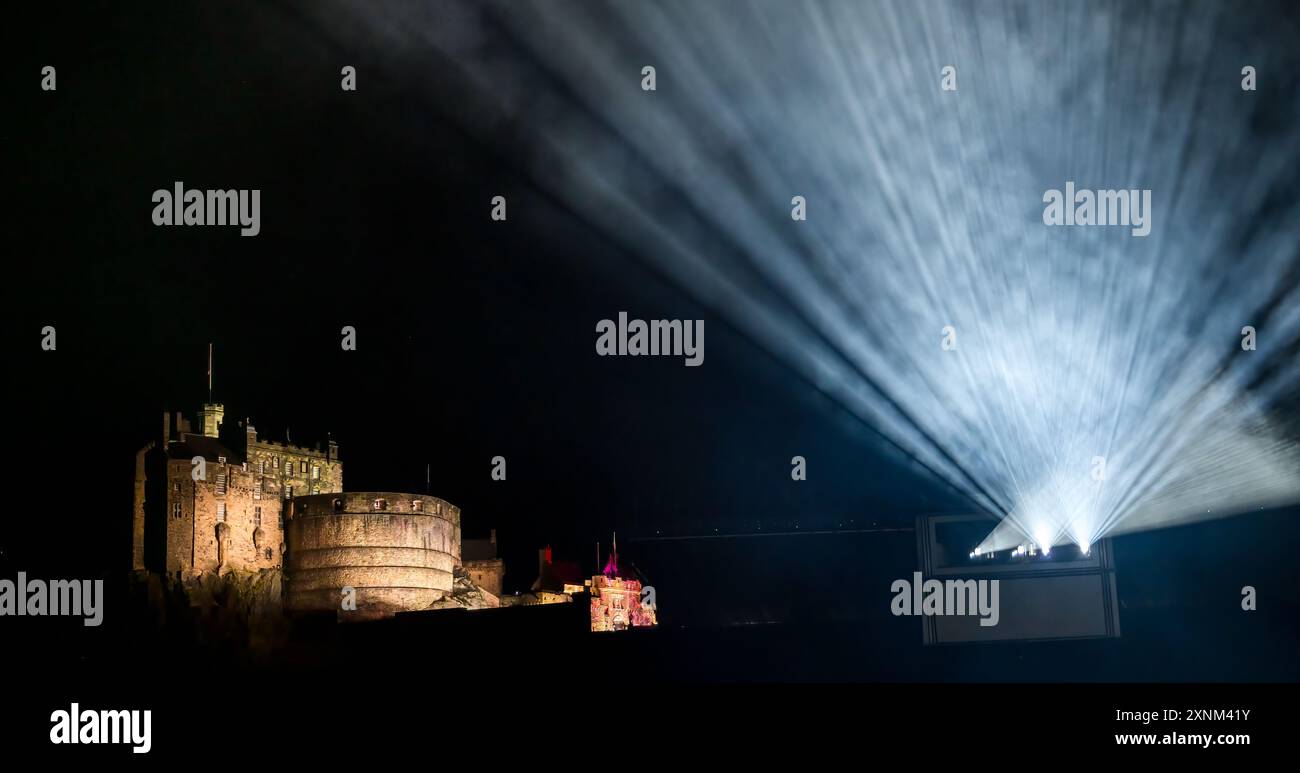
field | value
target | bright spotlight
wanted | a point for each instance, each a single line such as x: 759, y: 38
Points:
x: 1042, y: 587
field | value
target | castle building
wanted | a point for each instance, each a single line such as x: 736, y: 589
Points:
x: 371, y: 554
x: 217, y: 501
x: 485, y: 567
x: 208, y: 503
x: 616, y: 603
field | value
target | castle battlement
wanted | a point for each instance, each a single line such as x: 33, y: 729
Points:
x: 395, y: 551
x: 289, y: 448
x: 376, y: 503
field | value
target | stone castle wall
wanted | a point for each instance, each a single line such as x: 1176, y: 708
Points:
x: 487, y: 574
x: 251, y: 535
x: 397, y: 551
x: 304, y: 471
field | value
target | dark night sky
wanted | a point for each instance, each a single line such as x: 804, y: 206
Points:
x: 475, y: 338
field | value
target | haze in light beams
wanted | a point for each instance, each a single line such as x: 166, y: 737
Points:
x: 925, y: 210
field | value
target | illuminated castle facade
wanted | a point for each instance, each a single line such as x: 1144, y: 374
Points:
x: 207, y: 504
x: 617, y: 603
x: 212, y: 501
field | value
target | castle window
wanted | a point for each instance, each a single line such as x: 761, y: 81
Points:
x: 280, y: 518
x: 221, y: 483
x: 268, y: 554
x: 338, y: 505
x: 221, y: 460
x: 302, y: 467
x: 288, y: 469
x: 261, y: 467
x: 257, y: 516
x: 288, y: 492
x: 417, y: 506
x: 221, y: 512
x: 257, y: 489
x: 380, y: 504
x: 176, y: 509
x: 315, y: 472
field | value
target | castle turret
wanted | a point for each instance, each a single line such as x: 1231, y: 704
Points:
x: 210, y: 418
x: 213, y: 413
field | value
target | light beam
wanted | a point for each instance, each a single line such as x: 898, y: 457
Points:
x: 1098, y: 383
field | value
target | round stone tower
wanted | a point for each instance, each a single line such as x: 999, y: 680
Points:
x: 369, y: 554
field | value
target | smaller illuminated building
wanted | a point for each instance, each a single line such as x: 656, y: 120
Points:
x: 616, y: 602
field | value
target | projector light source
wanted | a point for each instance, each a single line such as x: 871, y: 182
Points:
x: 1042, y: 588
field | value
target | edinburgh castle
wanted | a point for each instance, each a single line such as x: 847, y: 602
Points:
x: 222, y: 505
x: 202, y: 505
x: 211, y: 503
